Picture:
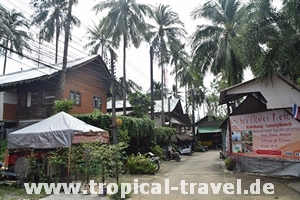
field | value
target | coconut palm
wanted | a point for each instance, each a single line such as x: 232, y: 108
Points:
x: 100, y: 41
x: 131, y: 87
x: 168, y: 31
x: 271, y: 39
x: 174, y: 93
x: 126, y: 22
x: 212, y: 43
x: 51, y: 15
x: 179, y: 59
x: 13, y: 37
x: 186, y: 79
x: 157, y: 91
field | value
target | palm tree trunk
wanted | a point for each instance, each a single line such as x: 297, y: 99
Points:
x: 176, y: 80
x: 162, y: 84
x: 5, y: 56
x: 57, y: 39
x: 124, y: 75
x: 186, y: 99
x: 64, y: 68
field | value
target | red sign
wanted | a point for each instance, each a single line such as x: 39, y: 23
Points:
x: 268, y: 134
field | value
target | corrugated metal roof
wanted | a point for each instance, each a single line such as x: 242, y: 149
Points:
x: 157, y: 107
x: 39, y: 72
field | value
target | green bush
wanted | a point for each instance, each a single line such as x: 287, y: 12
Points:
x: 158, y: 151
x: 198, y: 147
x: 230, y: 163
x: 63, y: 105
x: 140, y: 164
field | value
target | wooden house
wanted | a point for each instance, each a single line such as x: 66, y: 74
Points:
x: 28, y: 96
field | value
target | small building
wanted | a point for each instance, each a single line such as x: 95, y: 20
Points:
x: 28, y: 96
x: 262, y: 131
x: 173, y: 112
x: 209, y: 133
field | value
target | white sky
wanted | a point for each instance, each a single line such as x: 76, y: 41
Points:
x: 138, y: 60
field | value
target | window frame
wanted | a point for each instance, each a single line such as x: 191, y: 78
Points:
x: 75, y: 94
x: 96, y: 101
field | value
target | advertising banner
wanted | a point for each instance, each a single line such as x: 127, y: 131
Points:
x: 266, y: 134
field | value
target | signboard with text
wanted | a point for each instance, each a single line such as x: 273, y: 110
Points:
x: 266, y: 134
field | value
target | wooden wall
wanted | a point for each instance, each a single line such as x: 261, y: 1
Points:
x: 88, y: 81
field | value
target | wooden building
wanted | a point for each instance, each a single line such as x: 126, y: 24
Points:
x: 28, y: 96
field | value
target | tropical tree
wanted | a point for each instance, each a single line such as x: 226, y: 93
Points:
x: 168, y: 32
x: 174, y: 93
x: 100, y: 40
x: 271, y: 40
x: 212, y: 98
x: 52, y: 17
x: 179, y: 59
x: 212, y: 44
x: 131, y: 87
x: 13, y: 36
x: 186, y: 79
x: 157, y: 91
x: 141, y: 103
x: 126, y: 22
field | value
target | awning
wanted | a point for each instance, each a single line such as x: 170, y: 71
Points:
x: 209, y: 129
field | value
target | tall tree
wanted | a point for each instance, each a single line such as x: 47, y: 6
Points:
x: 271, y: 40
x: 51, y: 15
x: 212, y: 43
x: 168, y: 31
x: 157, y: 90
x: 174, y: 93
x: 186, y: 80
x: 126, y: 22
x: 179, y: 59
x: 131, y: 87
x: 13, y: 37
x: 100, y: 41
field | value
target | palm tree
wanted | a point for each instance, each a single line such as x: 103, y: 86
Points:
x: 174, y: 92
x: 271, y: 40
x: 100, y: 41
x: 186, y: 80
x: 179, y: 59
x: 131, y: 87
x: 126, y: 22
x: 13, y: 37
x: 212, y: 43
x: 157, y: 91
x: 51, y: 15
x: 169, y: 30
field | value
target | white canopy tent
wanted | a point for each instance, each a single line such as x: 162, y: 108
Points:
x: 53, y: 132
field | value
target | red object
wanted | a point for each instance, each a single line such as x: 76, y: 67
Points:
x: 269, y: 152
x: 12, y: 157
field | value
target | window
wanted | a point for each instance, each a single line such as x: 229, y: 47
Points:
x: 97, y: 103
x: 76, y: 96
x: 34, y: 98
x: 49, y: 98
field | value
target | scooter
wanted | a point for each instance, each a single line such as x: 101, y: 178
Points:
x: 171, y: 155
x: 154, y: 159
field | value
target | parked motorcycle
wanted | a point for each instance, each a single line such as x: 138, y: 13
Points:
x: 154, y: 159
x: 172, y: 155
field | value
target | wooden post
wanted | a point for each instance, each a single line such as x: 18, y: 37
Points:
x: 229, y: 130
x: 69, y: 164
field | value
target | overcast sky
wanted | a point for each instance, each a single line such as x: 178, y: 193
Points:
x: 138, y: 60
